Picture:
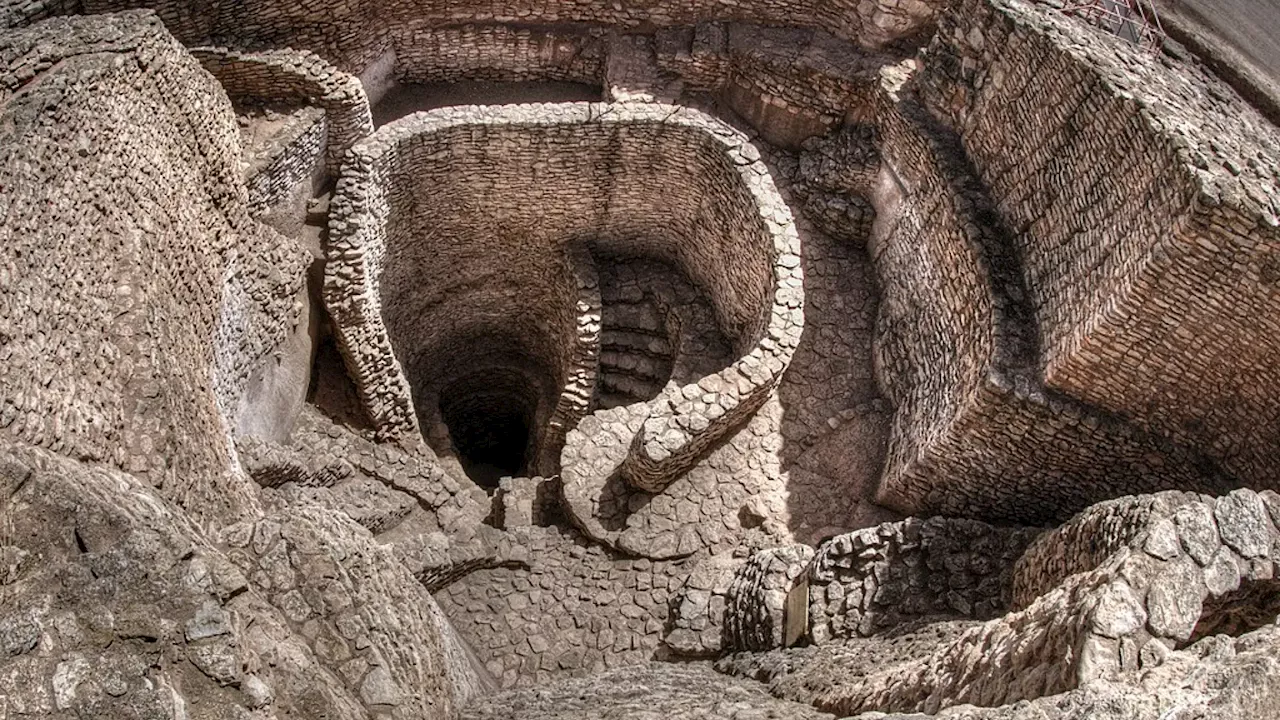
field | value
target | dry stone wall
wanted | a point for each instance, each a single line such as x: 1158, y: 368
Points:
x: 696, y: 626
x: 453, y: 506
x: 873, y: 580
x: 292, y: 158
x: 353, y: 34
x: 1198, y: 566
x: 272, y: 465
x: 584, y: 362
x: 956, y: 352
x: 1151, y: 271
x: 736, y: 493
x: 726, y: 199
x: 758, y: 610
x: 855, y: 585
x: 133, y: 349
x: 292, y: 76
x: 835, y: 419
x: 1086, y: 541
x: 789, y: 83
x: 498, y: 52
x: 21, y: 14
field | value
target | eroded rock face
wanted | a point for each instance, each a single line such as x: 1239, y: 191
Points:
x: 117, y: 606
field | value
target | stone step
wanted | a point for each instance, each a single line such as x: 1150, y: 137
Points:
x: 626, y: 385
x: 641, y: 367
x: 633, y: 317
x: 646, y: 343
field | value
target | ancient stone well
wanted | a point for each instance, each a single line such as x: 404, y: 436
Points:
x: 463, y: 286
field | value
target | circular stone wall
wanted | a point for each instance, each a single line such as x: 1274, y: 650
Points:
x: 456, y: 237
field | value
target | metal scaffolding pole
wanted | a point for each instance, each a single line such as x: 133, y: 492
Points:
x: 1134, y: 20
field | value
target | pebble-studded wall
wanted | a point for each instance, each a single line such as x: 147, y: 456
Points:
x: 352, y: 34
x: 155, y: 328
x: 1153, y: 296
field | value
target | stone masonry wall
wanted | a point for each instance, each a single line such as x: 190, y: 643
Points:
x: 757, y: 607
x: 138, y: 304
x: 583, y: 365
x: 1085, y: 542
x: 934, y: 334
x: 511, y: 148
x: 506, y: 53
x: 1151, y: 271
x: 790, y: 83
x: 873, y: 580
x: 21, y: 14
x: 575, y: 609
x: 1198, y: 566
x: 351, y: 33
x: 293, y: 158
x: 976, y: 433
x: 292, y: 76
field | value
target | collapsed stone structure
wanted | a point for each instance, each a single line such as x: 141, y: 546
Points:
x: 421, y: 360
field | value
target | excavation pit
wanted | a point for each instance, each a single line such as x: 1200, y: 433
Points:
x: 463, y: 246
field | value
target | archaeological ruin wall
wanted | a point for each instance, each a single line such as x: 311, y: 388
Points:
x: 158, y: 334
x: 290, y: 76
x: 1151, y: 275
x: 974, y: 422
x: 427, y: 53
x: 501, y: 201
x: 353, y: 34
x: 516, y: 394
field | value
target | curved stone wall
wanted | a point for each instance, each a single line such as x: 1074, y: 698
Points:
x: 352, y: 33
x: 462, y: 221
x: 139, y: 298
x: 291, y: 75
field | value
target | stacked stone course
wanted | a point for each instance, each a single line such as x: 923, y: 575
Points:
x: 134, y: 349
x: 973, y: 418
x: 291, y: 76
x: 873, y: 580
x: 292, y: 157
x: 428, y: 54
x: 1177, y: 579
x: 353, y: 34
x: 1150, y: 272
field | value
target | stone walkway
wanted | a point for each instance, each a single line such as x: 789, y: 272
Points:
x: 657, y: 691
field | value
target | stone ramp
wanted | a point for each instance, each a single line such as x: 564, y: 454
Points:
x: 656, y: 691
